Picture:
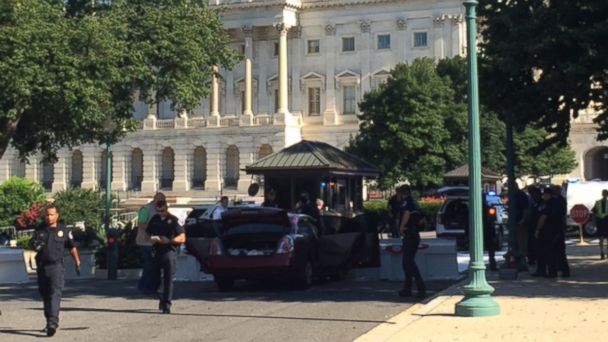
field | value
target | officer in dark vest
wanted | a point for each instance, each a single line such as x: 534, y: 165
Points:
x: 547, y: 234
x: 408, y: 226
x: 166, y: 236
x: 50, y: 240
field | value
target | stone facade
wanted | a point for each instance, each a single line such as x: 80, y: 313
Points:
x: 307, y: 64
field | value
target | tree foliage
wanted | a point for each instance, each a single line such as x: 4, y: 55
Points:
x: 16, y: 196
x: 80, y: 205
x: 67, y: 67
x: 544, y: 61
x: 403, y: 128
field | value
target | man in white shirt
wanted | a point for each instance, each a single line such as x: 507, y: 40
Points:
x: 217, y: 212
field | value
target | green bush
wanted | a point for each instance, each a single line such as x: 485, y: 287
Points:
x: 128, y: 251
x: 81, y: 205
x: 379, y: 211
x: 24, y: 242
x: 16, y: 196
x: 430, y: 209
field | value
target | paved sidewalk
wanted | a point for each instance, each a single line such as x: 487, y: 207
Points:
x: 532, y: 309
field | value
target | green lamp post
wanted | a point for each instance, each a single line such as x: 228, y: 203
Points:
x: 477, y: 300
x: 111, y: 236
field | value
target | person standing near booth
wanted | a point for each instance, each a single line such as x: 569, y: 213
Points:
x: 408, y: 227
x: 600, y: 211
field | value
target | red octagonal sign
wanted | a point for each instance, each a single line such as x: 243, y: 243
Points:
x: 579, y: 213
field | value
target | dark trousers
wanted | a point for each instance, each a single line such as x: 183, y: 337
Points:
x: 532, y: 246
x: 560, y: 254
x: 410, y: 269
x: 165, y: 262
x: 50, y: 286
x: 150, y: 279
x: 547, y: 256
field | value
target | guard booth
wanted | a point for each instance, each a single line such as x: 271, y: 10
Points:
x: 326, y: 172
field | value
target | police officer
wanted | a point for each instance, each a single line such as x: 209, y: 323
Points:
x: 547, y: 234
x: 49, y: 241
x: 408, y: 226
x: 166, y: 236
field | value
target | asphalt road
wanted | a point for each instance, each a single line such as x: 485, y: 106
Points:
x: 102, y: 310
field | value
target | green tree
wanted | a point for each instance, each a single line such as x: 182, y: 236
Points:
x: 68, y: 66
x: 16, y: 196
x: 553, y: 160
x: 80, y: 205
x: 403, y: 130
x: 544, y: 61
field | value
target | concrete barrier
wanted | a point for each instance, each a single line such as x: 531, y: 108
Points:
x: 12, y: 266
x: 187, y: 268
x: 436, y: 259
x: 87, y: 265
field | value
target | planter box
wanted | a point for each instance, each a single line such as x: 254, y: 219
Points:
x: 128, y: 274
x: 87, y: 265
x: 12, y: 266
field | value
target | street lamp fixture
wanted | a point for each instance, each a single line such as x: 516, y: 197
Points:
x: 109, y: 127
x: 477, y: 301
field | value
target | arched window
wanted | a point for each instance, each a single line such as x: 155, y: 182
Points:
x: 18, y: 168
x: 137, y: 169
x: 167, y: 169
x: 596, y: 163
x: 199, y: 168
x: 48, y: 175
x: 231, y: 176
x: 265, y: 150
x: 76, y: 169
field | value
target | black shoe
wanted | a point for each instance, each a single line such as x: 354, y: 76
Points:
x: 166, y: 311
x: 602, y: 256
x: 405, y: 293
x: 50, y: 331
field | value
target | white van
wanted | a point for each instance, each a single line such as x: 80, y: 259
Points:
x: 585, y: 193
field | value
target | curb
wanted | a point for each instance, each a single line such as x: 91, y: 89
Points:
x: 397, y: 323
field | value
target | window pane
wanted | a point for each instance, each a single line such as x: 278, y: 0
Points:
x: 314, y: 46
x: 384, y: 41
x: 349, y: 100
x: 276, y: 49
x: 314, y: 101
x: 242, y: 101
x: 276, y: 100
x: 348, y: 44
x: 420, y: 39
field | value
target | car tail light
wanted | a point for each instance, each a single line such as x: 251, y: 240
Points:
x: 215, y: 248
x: 492, y: 212
x: 285, y: 245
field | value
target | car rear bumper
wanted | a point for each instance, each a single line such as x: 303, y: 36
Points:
x: 250, y: 266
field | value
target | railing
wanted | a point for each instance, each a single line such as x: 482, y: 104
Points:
x: 225, y: 121
x: 165, y: 123
x: 197, y: 122
x: 262, y: 120
x: 229, y: 122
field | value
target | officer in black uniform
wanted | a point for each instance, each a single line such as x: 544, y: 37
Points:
x: 547, y: 234
x: 166, y: 236
x: 408, y: 226
x: 50, y: 241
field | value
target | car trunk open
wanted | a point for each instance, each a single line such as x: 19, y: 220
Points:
x: 254, y: 232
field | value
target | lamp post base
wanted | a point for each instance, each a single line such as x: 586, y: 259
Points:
x: 477, y: 306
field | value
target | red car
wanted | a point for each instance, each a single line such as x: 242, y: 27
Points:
x: 261, y: 243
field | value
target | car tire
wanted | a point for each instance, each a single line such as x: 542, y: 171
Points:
x: 304, y: 276
x: 590, y: 229
x: 224, y: 283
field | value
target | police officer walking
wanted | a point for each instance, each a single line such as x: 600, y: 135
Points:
x: 547, y: 234
x: 50, y: 241
x: 600, y: 210
x: 408, y: 226
x: 166, y: 236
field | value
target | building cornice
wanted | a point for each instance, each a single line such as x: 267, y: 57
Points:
x: 295, y: 4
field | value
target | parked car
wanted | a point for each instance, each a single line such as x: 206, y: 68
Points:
x: 200, y: 231
x: 453, y: 217
x: 263, y: 243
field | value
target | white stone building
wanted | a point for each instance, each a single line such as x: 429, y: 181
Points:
x: 308, y: 63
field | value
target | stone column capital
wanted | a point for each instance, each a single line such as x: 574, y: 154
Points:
x: 330, y: 29
x: 401, y: 24
x: 247, y: 30
x: 365, y: 26
x: 282, y: 28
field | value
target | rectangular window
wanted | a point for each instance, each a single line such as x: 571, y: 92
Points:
x: 349, y: 100
x: 348, y: 44
x: 276, y: 49
x: 420, y: 39
x: 384, y: 41
x: 313, y: 46
x: 243, y: 101
x: 314, y: 101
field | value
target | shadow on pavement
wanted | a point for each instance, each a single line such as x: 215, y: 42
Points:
x: 21, y: 332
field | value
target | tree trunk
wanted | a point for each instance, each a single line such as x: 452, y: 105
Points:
x: 8, y: 128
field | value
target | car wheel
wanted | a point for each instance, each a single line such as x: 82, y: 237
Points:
x: 304, y: 276
x: 224, y: 283
x: 590, y: 228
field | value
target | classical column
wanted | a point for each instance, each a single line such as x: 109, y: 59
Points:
x: 119, y: 167
x: 60, y: 172
x: 400, y: 39
x: 183, y: 160
x: 89, y: 167
x: 330, y: 115
x: 457, y: 29
x: 248, y: 107
x: 150, y: 120
x: 5, y: 165
x: 32, y: 170
x: 438, y: 46
x: 367, y: 45
x: 149, y: 185
x: 295, y: 34
x: 283, y: 109
x: 214, y: 116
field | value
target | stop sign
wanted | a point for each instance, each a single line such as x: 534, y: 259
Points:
x: 579, y: 213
